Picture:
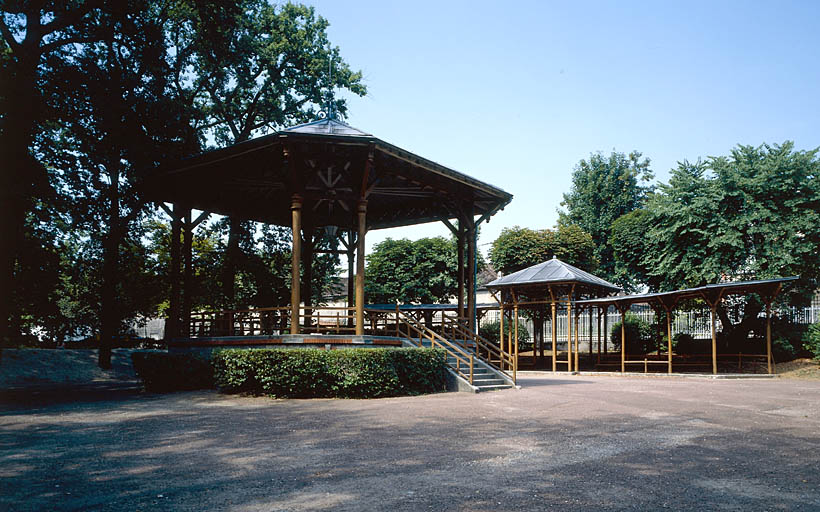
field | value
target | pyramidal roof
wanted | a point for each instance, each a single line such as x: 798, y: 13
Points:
x: 551, y: 271
x: 327, y: 126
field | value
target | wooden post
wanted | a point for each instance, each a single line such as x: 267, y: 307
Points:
x: 590, y: 335
x: 712, y: 314
x: 669, y: 339
x: 599, y: 335
x: 514, y: 348
x: 295, y: 260
x: 471, y: 262
x: 569, y: 331
x: 623, y: 341
x: 577, y: 336
x: 362, y: 225
x: 172, y: 329
x: 460, y: 241
x: 769, y: 336
x: 187, y: 273
x: 501, y: 338
x: 351, y: 276
x: 606, y: 330
x: 554, y: 334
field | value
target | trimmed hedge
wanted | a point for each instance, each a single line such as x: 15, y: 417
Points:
x: 349, y: 373
x: 162, y: 372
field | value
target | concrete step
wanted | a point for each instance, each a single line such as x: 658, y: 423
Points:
x: 487, y: 382
x: 494, y: 387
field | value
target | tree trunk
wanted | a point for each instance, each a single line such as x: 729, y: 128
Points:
x: 231, y: 259
x: 110, y: 318
x: 19, y: 172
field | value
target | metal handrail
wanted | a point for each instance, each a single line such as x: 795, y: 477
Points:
x: 483, y: 344
x: 435, y: 339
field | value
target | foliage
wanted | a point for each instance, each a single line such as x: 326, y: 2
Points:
x: 603, y: 189
x: 640, y: 336
x: 162, y: 372
x: 517, y: 248
x: 629, y: 248
x: 350, y: 373
x: 491, y: 331
x: 811, y: 340
x: 404, y: 271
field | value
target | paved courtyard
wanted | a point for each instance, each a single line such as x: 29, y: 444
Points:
x: 561, y: 443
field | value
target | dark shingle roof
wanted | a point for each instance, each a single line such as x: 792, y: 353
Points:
x: 551, y: 271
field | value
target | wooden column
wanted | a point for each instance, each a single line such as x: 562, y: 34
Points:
x: 590, y: 335
x: 623, y: 341
x: 501, y: 337
x: 769, y: 359
x: 172, y: 328
x: 514, y: 348
x: 471, y: 262
x: 351, y: 277
x: 460, y: 242
x: 606, y: 330
x: 187, y: 273
x: 577, y: 336
x: 599, y: 334
x: 712, y: 315
x: 569, y: 332
x: 554, y: 334
x: 669, y: 339
x: 295, y: 259
x: 362, y: 225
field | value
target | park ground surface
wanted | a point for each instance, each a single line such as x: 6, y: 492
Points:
x: 559, y: 443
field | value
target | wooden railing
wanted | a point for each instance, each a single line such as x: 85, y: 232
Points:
x: 416, y: 332
x: 492, y: 354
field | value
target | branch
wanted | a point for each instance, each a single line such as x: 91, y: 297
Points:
x: 9, y: 37
x: 61, y: 42
x: 70, y: 17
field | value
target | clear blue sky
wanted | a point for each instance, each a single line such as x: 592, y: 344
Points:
x: 516, y: 93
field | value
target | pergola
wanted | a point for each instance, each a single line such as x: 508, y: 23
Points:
x: 542, y: 288
x: 324, y: 174
x: 712, y: 294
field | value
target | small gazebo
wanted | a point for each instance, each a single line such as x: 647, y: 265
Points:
x: 542, y: 289
x: 325, y: 174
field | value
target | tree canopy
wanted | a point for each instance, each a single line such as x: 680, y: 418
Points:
x: 404, y: 271
x: 603, y: 189
x: 517, y: 248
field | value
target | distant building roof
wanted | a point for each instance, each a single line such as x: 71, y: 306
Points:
x: 552, y: 271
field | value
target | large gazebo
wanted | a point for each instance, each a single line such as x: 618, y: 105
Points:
x: 323, y: 174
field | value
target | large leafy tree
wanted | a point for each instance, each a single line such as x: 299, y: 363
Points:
x: 37, y: 38
x: 603, y: 189
x: 517, y: 248
x: 404, y: 271
x: 753, y: 214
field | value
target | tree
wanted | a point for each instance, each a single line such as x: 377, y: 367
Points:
x: 403, y: 271
x: 116, y: 122
x: 517, y: 248
x: 603, y: 189
x: 37, y: 37
x: 754, y: 214
x: 629, y: 247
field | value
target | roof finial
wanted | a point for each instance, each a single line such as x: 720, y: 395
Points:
x: 554, y: 257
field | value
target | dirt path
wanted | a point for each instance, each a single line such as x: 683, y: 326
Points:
x: 568, y: 443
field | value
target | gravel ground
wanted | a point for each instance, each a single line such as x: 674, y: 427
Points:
x: 568, y: 443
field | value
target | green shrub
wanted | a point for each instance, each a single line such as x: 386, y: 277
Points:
x: 349, y: 373
x: 162, y: 372
x: 640, y: 337
x: 491, y: 331
x: 811, y: 340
